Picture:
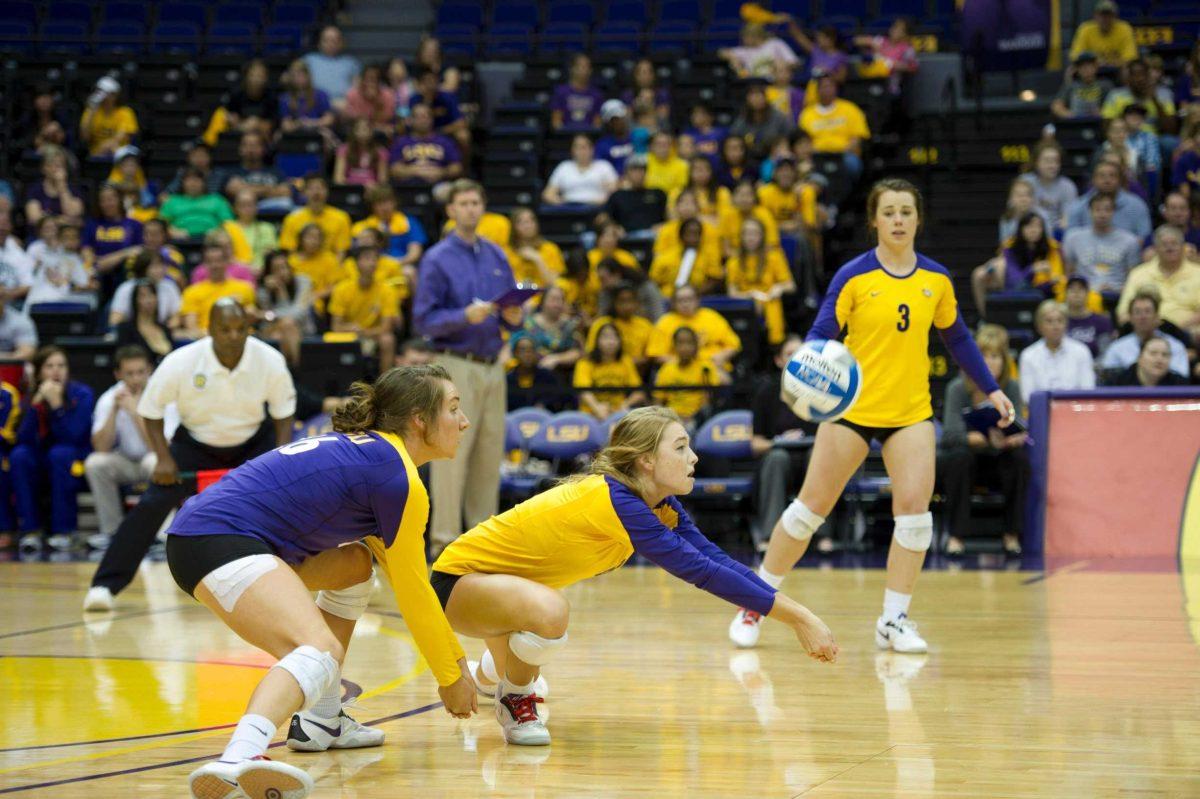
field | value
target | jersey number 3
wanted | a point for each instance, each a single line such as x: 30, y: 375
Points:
x: 902, y: 325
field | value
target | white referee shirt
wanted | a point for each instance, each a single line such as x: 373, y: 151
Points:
x: 218, y: 406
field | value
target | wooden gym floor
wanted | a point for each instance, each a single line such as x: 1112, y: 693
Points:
x: 1081, y: 682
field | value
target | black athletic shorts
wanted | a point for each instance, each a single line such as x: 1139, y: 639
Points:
x: 880, y: 434
x: 443, y: 584
x: 191, y: 558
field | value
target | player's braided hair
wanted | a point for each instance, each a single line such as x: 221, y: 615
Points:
x: 397, y: 397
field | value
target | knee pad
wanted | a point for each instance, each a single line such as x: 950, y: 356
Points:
x: 914, y: 531
x: 799, y: 522
x: 348, y: 603
x: 534, y: 649
x: 315, y: 671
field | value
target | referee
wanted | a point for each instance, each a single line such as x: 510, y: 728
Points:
x: 220, y: 385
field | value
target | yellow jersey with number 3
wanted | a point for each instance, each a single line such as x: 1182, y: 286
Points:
x: 888, y: 319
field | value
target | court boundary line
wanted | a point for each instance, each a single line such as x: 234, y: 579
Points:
x: 185, y: 761
x: 85, y: 622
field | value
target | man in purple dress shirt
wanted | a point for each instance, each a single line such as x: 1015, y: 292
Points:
x: 460, y: 277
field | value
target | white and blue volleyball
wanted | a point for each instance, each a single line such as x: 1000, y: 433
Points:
x: 822, y: 381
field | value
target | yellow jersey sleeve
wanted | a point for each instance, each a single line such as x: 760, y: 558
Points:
x: 946, y: 311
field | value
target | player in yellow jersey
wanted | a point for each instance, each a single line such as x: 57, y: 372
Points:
x: 501, y: 581
x: 888, y: 298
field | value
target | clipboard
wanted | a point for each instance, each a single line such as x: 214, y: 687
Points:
x: 516, y: 296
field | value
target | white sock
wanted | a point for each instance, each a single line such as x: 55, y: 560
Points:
x: 512, y: 688
x: 895, y: 604
x: 773, y: 580
x: 487, y: 665
x: 329, y: 706
x: 250, y: 739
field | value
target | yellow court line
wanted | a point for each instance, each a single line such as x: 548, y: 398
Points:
x: 418, y: 668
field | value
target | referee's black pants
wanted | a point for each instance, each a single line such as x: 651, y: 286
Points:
x: 137, y: 531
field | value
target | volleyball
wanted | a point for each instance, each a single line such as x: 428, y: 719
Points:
x: 822, y: 381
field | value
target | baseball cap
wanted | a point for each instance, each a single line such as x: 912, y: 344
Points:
x: 613, y: 109
x: 128, y: 151
x: 1106, y: 7
x: 108, y: 85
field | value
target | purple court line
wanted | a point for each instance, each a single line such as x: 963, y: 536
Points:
x: 84, y: 623
x: 171, y: 764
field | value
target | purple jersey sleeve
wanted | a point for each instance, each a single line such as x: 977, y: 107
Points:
x: 966, y: 354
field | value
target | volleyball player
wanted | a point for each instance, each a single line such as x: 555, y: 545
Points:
x: 501, y: 580
x: 888, y: 298
x: 252, y: 546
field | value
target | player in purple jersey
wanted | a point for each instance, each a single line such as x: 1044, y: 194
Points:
x: 308, y: 516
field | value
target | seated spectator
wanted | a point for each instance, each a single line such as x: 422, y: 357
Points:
x: 1054, y: 362
x: 148, y: 265
x: 687, y: 206
x: 824, y: 51
x: 422, y: 156
x: 107, y: 125
x: 705, y: 134
x: 1177, y: 212
x: 18, y: 336
x: 665, y: 170
x: 333, y: 70
x: 1053, y: 194
x: 581, y: 180
x: 970, y: 458
x: 138, y: 194
x: 1130, y: 214
x: 580, y: 284
x: 1082, y: 93
x: 401, y: 84
x: 534, y: 259
x: 529, y: 384
x: 760, y: 272
x: 370, y: 101
x: 53, y: 195
x: 712, y: 198
x: 254, y: 173
x: 757, y: 53
x: 199, y: 298
x: 637, y: 208
x: 194, y: 213
x: 58, y: 271
x: 429, y: 56
x: 792, y: 204
x: 1030, y: 259
x: 608, y: 245
x: 1084, y: 323
x: 111, y: 238
x: 576, y: 104
x: 448, y: 119
x: 253, y: 107
x: 233, y: 269
x: 736, y: 165
x: 1105, y: 35
x: 633, y: 328
x: 334, y: 222
x: 52, y: 436
x: 688, y: 264
x: 304, y: 107
x: 1145, y: 321
x: 553, y: 332
x: 360, y: 161
x: 607, y: 379
x: 1152, y: 368
x: 389, y: 270
x: 1173, y: 276
x: 121, y: 451
x: 616, y: 143
x: 1140, y: 89
x: 1116, y: 142
x: 199, y: 157
x: 404, y: 235
x: 892, y: 56
x: 1021, y: 200
x: 644, y: 83
x: 1147, y: 153
x: 1101, y: 252
x: 368, y: 308
x: 836, y: 125
x: 251, y: 237
x: 16, y: 267
x: 142, y: 327
x: 760, y: 124
x: 718, y: 342
x: 783, y: 95
x: 285, y: 298
x: 686, y: 368
x: 45, y: 121
x: 1185, y: 174
x: 744, y: 206
x: 611, y: 275
x: 313, y: 260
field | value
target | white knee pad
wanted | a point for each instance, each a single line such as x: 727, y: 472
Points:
x: 534, y: 649
x: 799, y: 522
x: 348, y: 603
x: 914, y: 531
x: 315, y: 671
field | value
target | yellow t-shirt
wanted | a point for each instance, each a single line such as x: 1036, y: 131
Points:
x: 388, y: 270
x: 596, y: 376
x: 670, y: 175
x: 714, y: 333
x: 889, y: 320
x: 199, y: 298
x: 758, y: 276
x: 1117, y: 46
x: 623, y: 257
x: 700, y: 372
x: 496, y: 228
x: 398, y: 225
x: 710, y: 207
x: 664, y: 270
x: 832, y: 128
x: 635, y: 333
x: 323, y: 270
x: 730, y: 230
x: 526, y: 271
x: 788, y: 205
x: 668, y: 238
x: 363, y: 307
x: 586, y: 297
x: 106, y: 124
x: 334, y: 223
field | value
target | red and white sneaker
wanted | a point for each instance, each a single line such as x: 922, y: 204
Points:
x: 745, y: 628
x: 518, y: 717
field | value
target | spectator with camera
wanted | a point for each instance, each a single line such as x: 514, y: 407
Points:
x: 107, y: 125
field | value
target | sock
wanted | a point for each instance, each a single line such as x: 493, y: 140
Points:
x: 329, y: 706
x: 487, y: 665
x: 773, y: 580
x: 895, y: 604
x: 250, y: 739
x: 512, y: 688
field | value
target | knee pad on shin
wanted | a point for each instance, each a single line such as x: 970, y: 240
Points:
x: 315, y: 671
x: 347, y: 603
x: 534, y: 649
x: 914, y: 531
x: 799, y: 522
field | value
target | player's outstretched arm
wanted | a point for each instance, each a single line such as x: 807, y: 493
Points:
x: 814, y: 635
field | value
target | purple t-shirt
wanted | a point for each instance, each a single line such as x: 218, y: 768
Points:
x: 52, y: 206
x: 106, y: 236
x: 579, y: 108
x: 709, y: 144
x: 829, y: 60
x: 1187, y: 170
x: 435, y: 150
x: 1091, y: 331
x: 293, y: 107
